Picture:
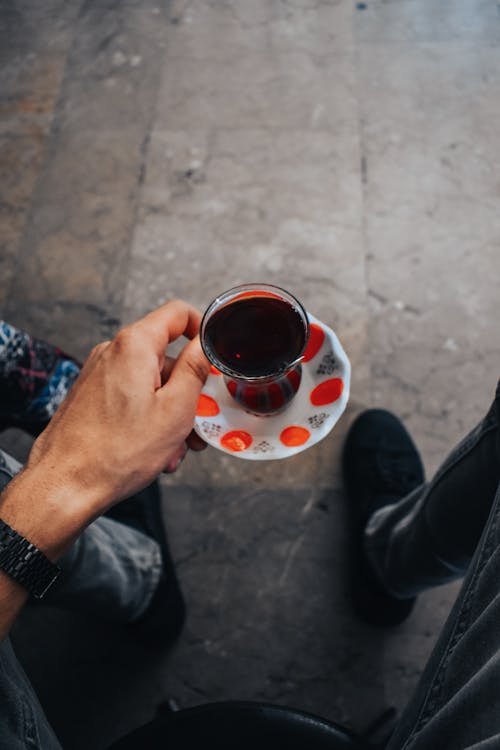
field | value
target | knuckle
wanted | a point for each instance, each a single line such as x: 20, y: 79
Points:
x: 120, y: 339
x: 125, y: 339
x: 198, y: 368
x: 176, y: 304
x: 99, y: 348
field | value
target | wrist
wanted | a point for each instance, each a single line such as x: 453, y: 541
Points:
x: 48, y: 507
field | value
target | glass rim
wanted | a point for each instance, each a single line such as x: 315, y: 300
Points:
x: 253, y: 289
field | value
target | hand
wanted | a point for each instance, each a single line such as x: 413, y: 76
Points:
x: 130, y: 412
x: 193, y: 440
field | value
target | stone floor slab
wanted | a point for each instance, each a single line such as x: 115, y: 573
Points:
x: 414, y: 21
x: 431, y: 226
x: 345, y: 151
x: 73, y: 254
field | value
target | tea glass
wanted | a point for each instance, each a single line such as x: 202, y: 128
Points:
x: 272, y: 390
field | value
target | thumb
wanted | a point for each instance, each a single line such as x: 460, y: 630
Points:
x: 188, y: 376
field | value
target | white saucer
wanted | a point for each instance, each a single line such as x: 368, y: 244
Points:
x: 317, y: 406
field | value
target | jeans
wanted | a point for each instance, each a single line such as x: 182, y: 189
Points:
x: 444, y: 529
x: 111, y: 570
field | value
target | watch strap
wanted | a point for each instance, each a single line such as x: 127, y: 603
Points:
x: 25, y: 563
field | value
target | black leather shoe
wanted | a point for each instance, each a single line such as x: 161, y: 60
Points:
x: 381, y: 466
x: 163, y: 620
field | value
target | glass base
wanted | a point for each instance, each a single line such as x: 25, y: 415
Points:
x: 265, y: 399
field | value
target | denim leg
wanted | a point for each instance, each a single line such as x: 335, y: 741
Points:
x: 111, y: 570
x: 23, y: 724
x: 429, y: 537
x: 456, y: 705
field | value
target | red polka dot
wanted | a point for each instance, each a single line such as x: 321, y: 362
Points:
x: 236, y: 440
x: 214, y: 371
x: 207, y: 406
x: 327, y: 392
x: 316, y: 338
x: 294, y: 435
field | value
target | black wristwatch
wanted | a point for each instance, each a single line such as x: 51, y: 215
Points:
x: 25, y: 563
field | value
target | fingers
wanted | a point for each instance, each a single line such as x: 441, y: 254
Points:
x: 99, y: 349
x: 176, y: 460
x: 167, y: 368
x: 195, y: 442
x: 187, y: 377
x: 168, y: 322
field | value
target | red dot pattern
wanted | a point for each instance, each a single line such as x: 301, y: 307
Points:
x: 294, y: 435
x: 316, y: 339
x: 236, y: 440
x: 207, y: 406
x: 327, y: 392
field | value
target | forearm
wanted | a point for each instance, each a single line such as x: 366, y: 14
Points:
x: 48, y: 511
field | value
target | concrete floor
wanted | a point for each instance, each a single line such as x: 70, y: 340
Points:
x: 348, y: 152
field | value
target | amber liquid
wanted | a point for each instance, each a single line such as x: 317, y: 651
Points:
x: 256, y: 336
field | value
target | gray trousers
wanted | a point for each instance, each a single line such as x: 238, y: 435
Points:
x: 445, y: 529
x: 111, y: 570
